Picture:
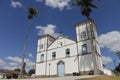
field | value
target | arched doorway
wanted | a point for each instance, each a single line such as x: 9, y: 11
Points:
x: 61, y: 68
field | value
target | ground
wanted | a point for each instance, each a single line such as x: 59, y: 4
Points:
x: 103, y: 78
x: 76, y: 78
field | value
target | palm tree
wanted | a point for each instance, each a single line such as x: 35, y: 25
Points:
x: 31, y: 13
x: 85, y: 6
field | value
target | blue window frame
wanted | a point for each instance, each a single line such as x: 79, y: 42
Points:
x: 83, y: 34
x: 84, y: 48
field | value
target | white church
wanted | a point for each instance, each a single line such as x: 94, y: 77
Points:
x: 62, y: 56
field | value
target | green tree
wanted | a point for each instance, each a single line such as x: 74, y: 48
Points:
x: 117, y: 70
x: 18, y: 70
x: 31, y: 71
x: 32, y: 12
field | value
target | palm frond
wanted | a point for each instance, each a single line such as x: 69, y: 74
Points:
x: 92, y: 5
x: 32, y: 12
x: 85, y: 6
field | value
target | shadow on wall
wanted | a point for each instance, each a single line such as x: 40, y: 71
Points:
x: 86, y: 63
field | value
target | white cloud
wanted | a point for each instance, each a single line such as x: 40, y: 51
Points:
x: 16, y: 4
x: 13, y: 64
x: 110, y: 40
x: 2, y: 62
x: 18, y: 61
x: 11, y: 67
x: 14, y: 59
x: 30, y: 55
x: 106, y: 60
x: 49, y: 29
x: 8, y: 65
x: 38, y: 0
x: 57, y: 3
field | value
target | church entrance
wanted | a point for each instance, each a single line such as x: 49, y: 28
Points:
x: 61, y: 68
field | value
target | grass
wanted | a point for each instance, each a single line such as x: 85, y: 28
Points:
x: 103, y: 78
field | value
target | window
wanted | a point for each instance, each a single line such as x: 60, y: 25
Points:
x: 67, y: 52
x: 42, y: 57
x: 84, y: 48
x: 53, y: 55
x: 41, y: 46
x: 83, y: 34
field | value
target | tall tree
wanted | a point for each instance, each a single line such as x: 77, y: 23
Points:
x: 85, y: 6
x: 32, y: 12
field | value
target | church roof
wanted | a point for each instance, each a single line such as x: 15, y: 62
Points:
x: 41, y: 36
x: 61, y: 37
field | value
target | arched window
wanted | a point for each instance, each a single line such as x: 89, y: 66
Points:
x: 84, y: 48
x: 41, y: 46
x: 53, y: 55
x: 83, y: 34
x: 42, y: 57
x: 67, y: 51
x: 61, y: 44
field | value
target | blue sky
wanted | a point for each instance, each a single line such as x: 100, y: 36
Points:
x: 54, y: 17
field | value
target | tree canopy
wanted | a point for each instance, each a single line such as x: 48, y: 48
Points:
x: 85, y: 6
x: 31, y: 71
x: 32, y: 12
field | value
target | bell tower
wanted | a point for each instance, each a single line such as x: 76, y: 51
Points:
x: 88, y: 48
x: 43, y: 42
x: 41, y: 55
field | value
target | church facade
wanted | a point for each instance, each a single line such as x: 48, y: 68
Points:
x: 62, y: 56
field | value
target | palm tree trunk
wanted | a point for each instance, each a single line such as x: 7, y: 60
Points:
x: 25, y: 47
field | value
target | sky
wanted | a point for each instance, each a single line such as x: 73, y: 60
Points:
x: 55, y: 17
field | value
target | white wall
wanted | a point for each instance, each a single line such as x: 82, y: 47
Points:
x: 38, y: 57
x: 40, y: 69
x: 52, y: 68
x: 56, y: 43
x: 88, y: 42
x: 71, y: 63
x: 79, y: 30
x: 107, y: 71
x: 61, y: 56
x: 86, y: 62
x: 60, y: 52
x: 99, y: 63
x: 1, y: 76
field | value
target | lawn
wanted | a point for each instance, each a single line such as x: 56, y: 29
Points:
x: 103, y: 78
